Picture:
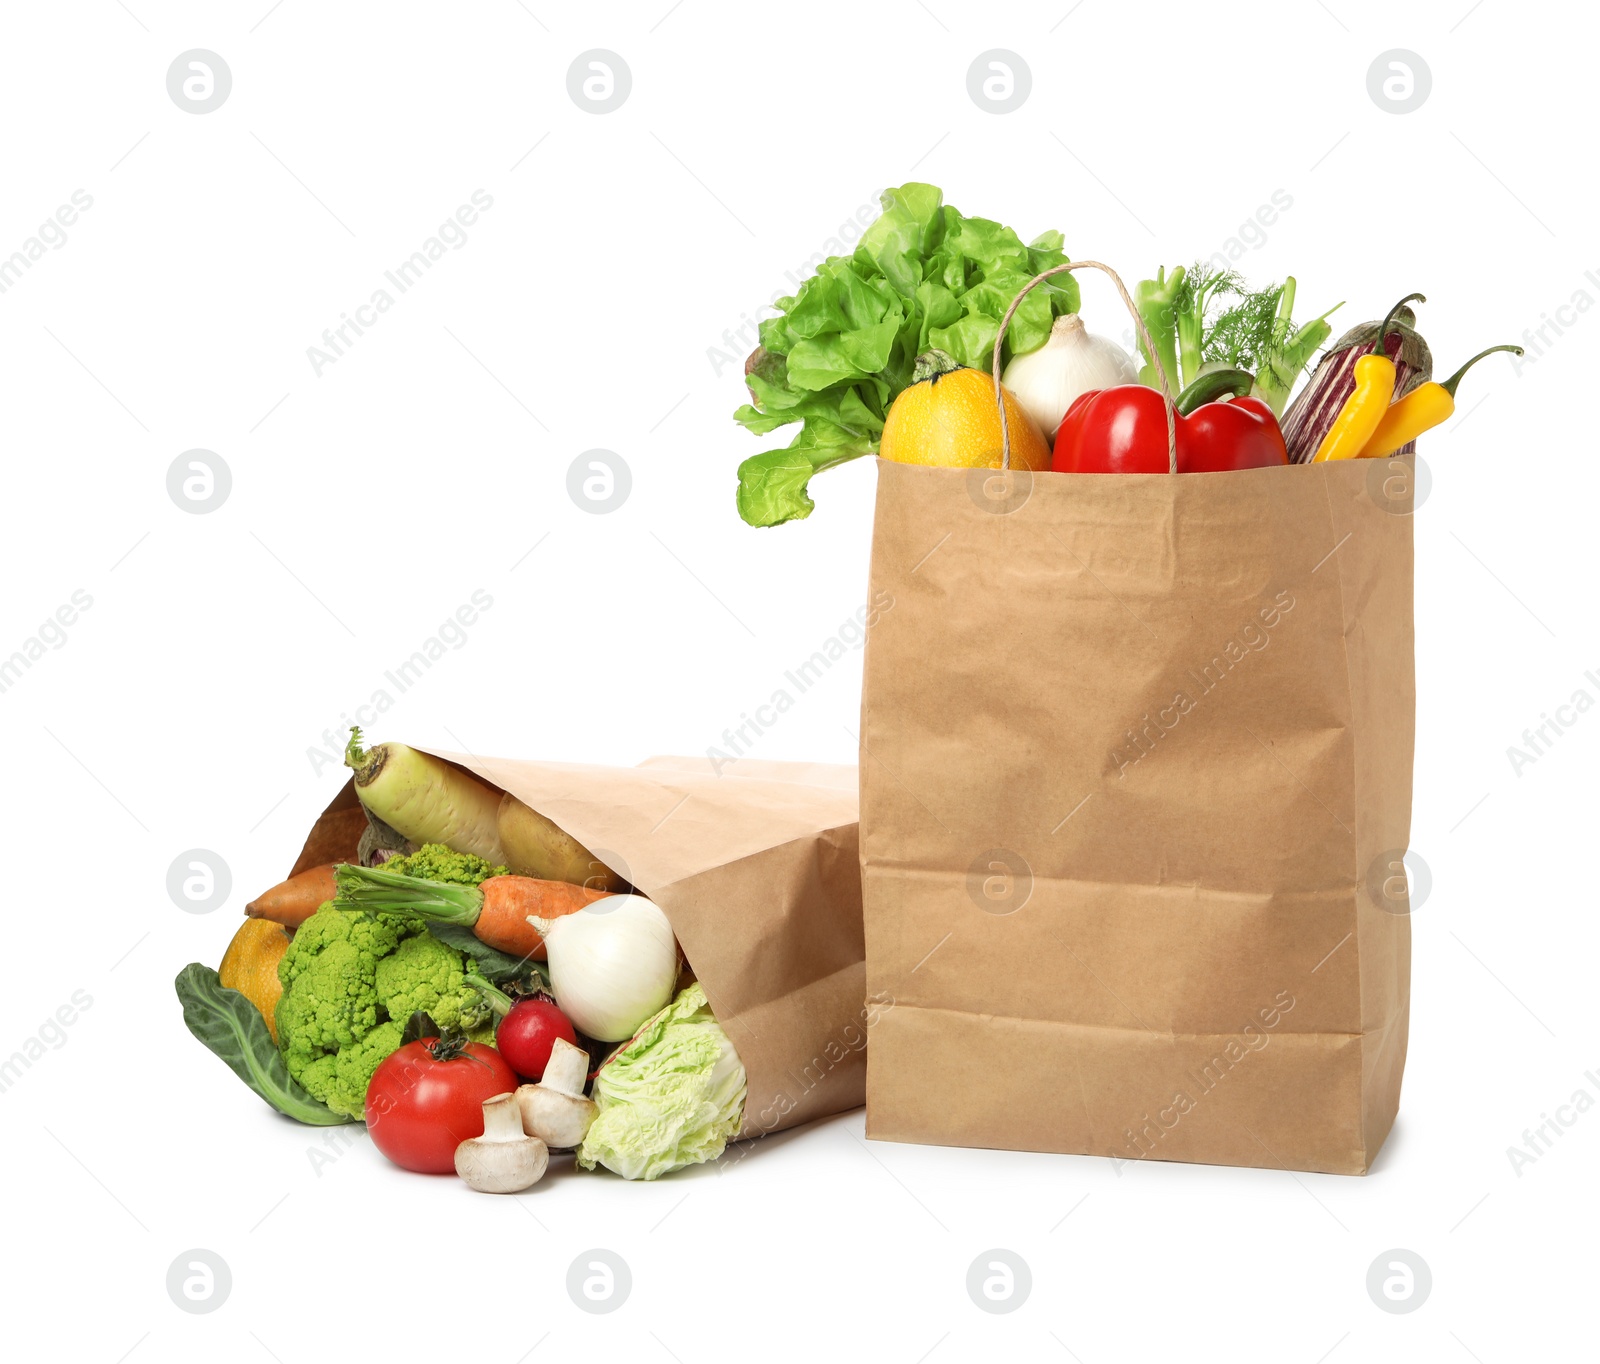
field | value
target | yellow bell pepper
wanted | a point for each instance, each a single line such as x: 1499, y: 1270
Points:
x: 1364, y: 408
x: 1426, y: 406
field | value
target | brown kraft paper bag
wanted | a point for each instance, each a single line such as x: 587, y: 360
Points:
x: 759, y: 874
x: 1136, y: 763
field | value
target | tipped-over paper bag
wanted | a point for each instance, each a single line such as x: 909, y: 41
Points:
x: 1135, y: 789
x: 760, y: 877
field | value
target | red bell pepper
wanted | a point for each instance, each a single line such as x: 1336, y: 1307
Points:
x: 1123, y: 430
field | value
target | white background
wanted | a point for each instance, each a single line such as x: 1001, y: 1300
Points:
x: 185, y: 708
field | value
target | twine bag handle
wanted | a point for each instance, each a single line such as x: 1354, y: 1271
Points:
x: 1150, y: 346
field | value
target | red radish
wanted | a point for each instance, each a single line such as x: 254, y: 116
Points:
x: 527, y: 1035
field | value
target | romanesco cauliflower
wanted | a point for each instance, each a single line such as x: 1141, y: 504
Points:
x: 350, y: 981
x: 435, y: 862
x: 422, y: 973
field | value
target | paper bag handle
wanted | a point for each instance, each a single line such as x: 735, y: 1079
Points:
x: 1150, y: 347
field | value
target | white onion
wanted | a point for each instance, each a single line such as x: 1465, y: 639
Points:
x: 612, y: 964
x: 1071, y: 363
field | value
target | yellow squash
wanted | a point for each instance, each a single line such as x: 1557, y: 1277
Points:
x: 250, y: 966
x: 948, y: 418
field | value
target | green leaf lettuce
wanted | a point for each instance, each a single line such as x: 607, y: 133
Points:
x: 842, y: 348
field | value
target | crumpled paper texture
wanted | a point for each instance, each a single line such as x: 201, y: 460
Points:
x: 1135, y: 751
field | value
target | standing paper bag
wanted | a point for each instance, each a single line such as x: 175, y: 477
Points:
x: 760, y: 878
x: 1135, y: 788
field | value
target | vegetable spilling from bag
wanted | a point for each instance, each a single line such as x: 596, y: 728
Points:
x: 463, y: 985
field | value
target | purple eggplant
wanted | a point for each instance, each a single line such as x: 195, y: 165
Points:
x: 1333, y: 381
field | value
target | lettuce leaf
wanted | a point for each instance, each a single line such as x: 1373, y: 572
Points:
x: 842, y: 349
x: 672, y: 1097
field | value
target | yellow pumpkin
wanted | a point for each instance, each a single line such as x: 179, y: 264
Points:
x: 250, y: 966
x: 947, y: 418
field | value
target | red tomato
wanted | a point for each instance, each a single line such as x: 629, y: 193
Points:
x: 527, y: 1035
x: 420, y: 1107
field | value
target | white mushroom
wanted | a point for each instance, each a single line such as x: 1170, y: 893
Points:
x: 504, y: 1159
x: 555, y: 1110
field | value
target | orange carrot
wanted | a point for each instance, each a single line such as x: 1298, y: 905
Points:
x: 508, y: 901
x: 292, y: 902
x: 496, y: 911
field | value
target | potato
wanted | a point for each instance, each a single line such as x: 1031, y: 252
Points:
x: 536, y: 847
